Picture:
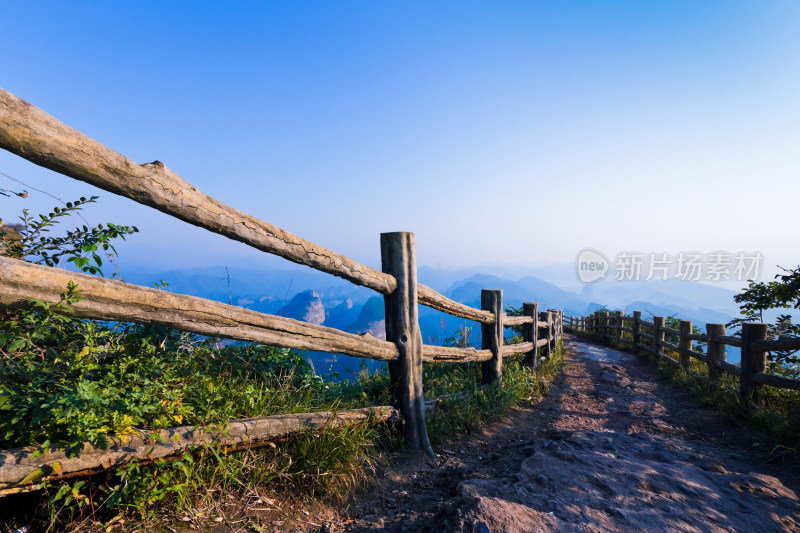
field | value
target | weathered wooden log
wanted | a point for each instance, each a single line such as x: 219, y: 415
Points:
x: 753, y: 360
x: 730, y: 340
x: 402, y: 328
x: 545, y: 331
x: 31, y: 133
x: 716, y: 350
x: 636, y: 330
x: 701, y: 337
x: 697, y: 355
x: 775, y: 381
x: 509, y: 321
x: 664, y: 357
x: 647, y: 336
x: 777, y: 345
x: 21, y: 469
x: 449, y: 354
x: 670, y: 346
x: 530, y: 333
x: 541, y: 343
x: 671, y: 331
x: 685, y: 343
x: 619, y: 315
x: 736, y: 370
x: 433, y: 299
x: 492, y: 337
x: 514, y: 349
x: 106, y: 299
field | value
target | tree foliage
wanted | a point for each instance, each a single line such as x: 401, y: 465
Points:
x: 781, y: 293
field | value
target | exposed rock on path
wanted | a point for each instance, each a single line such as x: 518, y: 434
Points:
x: 614, y: 447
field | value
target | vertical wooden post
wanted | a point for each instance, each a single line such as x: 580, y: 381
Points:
x: 605, y: 325
x: 636, y: 327
x: 752, y: 360
x: 619, y: 315
x: 658, y: 334
x: 545, y: 316
x: 685, y: 343
x: 716, y: 350
x: 402, y: 327
x: 556, y: 330
x: 492, y: 337
x: 530, y: 333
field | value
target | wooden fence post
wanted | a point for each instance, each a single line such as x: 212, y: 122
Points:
x: 658, y: 334
x: 530, y: 334
x: 619, y: 315
x: 556, y: 313
x: 402, y: 327
x: 492, y: 337
x: 716, y: 350
x: 636, y: 327
x: 545, y: 316
x: 605, y: 325
x: 685, y: 343
x: 752, y: 360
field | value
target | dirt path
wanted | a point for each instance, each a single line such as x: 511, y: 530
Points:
x: 614, y: 447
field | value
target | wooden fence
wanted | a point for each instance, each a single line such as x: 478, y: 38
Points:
x: 40, y: 138
x: 655, y: 336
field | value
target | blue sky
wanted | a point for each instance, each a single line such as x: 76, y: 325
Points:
x: 498, y: 132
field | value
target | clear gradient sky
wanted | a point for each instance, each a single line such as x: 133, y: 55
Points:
x: 498, y: 132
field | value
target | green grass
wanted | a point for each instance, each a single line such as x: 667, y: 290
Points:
x: 464, y: 415
x: 65, y: 381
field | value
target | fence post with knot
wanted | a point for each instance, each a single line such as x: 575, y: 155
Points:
x: 402, y: 328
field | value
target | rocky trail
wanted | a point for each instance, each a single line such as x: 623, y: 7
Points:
x: 613, y: 447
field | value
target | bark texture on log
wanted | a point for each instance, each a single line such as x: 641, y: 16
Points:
x: 106, y: 299
x: 31, y: 133
x: 18, y: 464
x: 716, y: 350
x: 517, y: 320
x: 433, y: 299
x: 775, y: 381
x: 753, y: 360
x: 530, y: 333
x: 451, y: 354
x: 514, y: 349
x: 492, y: 337
x: 402, y: 328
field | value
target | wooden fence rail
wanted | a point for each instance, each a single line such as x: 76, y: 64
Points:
x: 754, y: 346
x: 42, y: 139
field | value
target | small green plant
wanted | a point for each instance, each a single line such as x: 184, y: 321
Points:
x: 81, y: 246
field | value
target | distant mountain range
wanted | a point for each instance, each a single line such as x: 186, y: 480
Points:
x: 319, y: 298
